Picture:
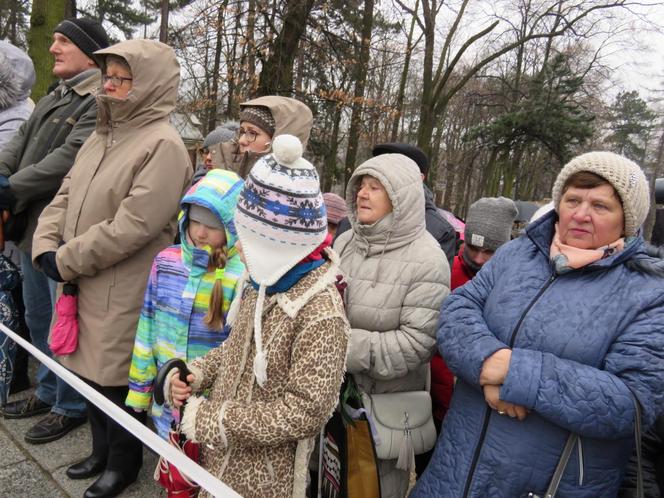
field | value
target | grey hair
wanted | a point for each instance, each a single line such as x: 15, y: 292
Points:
x: 116, y: 59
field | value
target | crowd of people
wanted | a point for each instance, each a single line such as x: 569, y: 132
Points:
x: 487, y: 366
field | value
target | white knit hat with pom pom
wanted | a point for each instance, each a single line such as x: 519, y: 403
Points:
x: 280, y: 219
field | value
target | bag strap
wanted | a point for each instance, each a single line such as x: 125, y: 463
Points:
x: 562, y: 464
x: 428, y: 381
x: 640, y: 493
x: 573, y: 439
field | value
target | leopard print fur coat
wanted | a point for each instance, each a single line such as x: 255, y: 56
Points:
x: 258, y: 440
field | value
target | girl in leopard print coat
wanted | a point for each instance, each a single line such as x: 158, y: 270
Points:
x: 275, y: 381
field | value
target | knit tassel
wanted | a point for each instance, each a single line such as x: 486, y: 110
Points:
x: 260, y: 360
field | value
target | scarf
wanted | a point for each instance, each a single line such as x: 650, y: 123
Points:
x: 567, y: 258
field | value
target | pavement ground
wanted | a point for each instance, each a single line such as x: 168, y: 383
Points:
x: 38, y: 470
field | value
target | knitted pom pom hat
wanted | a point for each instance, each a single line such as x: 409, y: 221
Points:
x: 280, y: 219
x: 625, y: 176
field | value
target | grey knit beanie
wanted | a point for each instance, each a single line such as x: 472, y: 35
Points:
x: 222, y: 133
x: 624, y: 175
x: 489, y: 222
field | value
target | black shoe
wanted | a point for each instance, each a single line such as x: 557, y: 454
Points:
x: 52, y: 427
x: 19, y: 383
x: 25, y: 408
x: 89, y: 467
x: 110, y: 483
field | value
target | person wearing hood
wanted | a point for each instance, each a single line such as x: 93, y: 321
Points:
x: 17, y: 75
x: 558, y: 346
x: 436, y: 224
x: 275, y: 381
x: 397, y: 278
x: 190, y: 289
x: 32, y: 166
x: 262, y: 120
x: 116, y: 209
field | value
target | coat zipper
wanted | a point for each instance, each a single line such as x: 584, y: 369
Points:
x: 487, y: 412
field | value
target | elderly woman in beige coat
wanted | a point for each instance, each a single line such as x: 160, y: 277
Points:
x: 397, y: 279
x: 115, y: 211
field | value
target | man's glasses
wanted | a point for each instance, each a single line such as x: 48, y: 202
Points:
x: 116, y: 81
x: 250, y: 135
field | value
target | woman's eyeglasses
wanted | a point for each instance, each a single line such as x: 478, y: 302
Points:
x: 116, y: 81
x: 249, y: 135
x: 205, y: 151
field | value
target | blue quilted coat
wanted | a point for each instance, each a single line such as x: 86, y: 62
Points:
x: 581, y: 342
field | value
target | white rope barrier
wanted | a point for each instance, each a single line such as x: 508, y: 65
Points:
x: 194, y: 471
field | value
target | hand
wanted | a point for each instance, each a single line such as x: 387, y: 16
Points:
x: 7, y: 199
x: 49, y: 266
x: 495, y: 367
x: 180, y: 391
x: 492, y: 398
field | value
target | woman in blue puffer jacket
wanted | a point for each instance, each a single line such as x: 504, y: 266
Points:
x: 560, y: 333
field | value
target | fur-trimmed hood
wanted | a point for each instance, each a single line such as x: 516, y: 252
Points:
x: 17, y: 75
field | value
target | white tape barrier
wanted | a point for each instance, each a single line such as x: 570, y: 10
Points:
x: 145, y: 435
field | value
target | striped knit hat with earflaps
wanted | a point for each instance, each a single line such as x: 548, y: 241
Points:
x: 280, y: 219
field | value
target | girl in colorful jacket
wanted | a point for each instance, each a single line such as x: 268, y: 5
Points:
x: 189, y: 291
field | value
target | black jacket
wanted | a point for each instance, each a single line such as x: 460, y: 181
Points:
x: 652, y: 452
x: 43, y: 150
x: 439, y: 227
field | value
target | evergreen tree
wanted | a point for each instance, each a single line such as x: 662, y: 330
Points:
x: 14, y: 21
x: 631, y: 123
x: 121, y: 14
x: 549, y: 114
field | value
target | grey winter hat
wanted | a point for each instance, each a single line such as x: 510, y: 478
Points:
x: 489, y: 222
x: 204, y: 216
x: 222, y: 133
x: 624, y: 175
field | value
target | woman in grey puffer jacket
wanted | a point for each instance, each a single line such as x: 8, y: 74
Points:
x: 397, y: 279
x: 17, y: 75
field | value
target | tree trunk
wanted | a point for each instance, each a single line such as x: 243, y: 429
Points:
x: 163, y: 26
x: 360, y: 77
x: 398, y: 107
x: 45, y: 16
x: 427, y: 104
x: 251, y: 45
x: 276, y: 77
x: 330, y: 170
x: 214, y: 91
x: 70, y: 9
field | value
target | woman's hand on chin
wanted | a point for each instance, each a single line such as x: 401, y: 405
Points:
x: 492, y: 398
x: 495, y: 367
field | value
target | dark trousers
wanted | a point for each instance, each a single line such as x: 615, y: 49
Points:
x: 123, y: 452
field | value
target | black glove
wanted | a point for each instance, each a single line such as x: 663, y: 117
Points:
x: 48, y: 265
x: 7, y: 199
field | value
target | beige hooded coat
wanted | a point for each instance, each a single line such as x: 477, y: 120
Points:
x: 291, y: 117
x: 117, y: 209
x: 397, y: 279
